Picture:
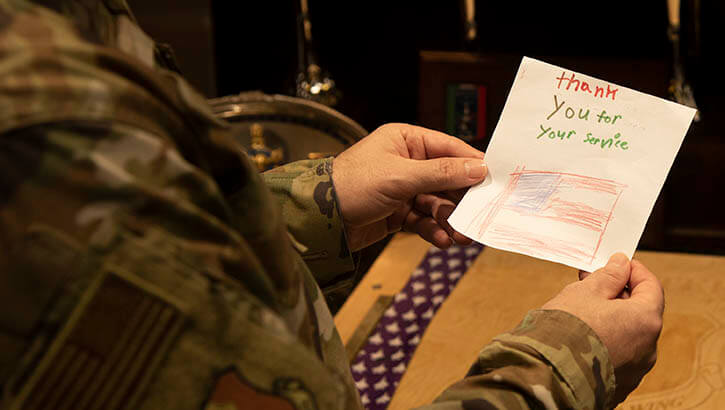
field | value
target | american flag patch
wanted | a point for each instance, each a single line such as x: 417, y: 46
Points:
x: 108, y: 350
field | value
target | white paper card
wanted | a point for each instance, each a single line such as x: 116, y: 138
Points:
x: 574, y: 167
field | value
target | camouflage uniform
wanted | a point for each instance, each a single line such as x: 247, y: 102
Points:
x: 146, y: 264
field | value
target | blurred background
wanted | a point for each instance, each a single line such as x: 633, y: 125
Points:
x: 449, y: 66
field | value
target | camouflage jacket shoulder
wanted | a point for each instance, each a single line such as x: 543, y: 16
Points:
x: 147, y: 261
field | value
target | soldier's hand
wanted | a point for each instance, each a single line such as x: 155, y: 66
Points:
x: 404, y: 177
x: 628, y: 324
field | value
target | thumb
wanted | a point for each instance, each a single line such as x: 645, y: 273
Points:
x: 445, y: 174
x: 612, y: 278
x: 646, y: 287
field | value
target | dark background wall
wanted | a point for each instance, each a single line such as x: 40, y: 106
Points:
x: 188, y: 26
x: 371, y: 47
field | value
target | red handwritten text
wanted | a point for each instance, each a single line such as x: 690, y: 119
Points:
x: 581, y: 85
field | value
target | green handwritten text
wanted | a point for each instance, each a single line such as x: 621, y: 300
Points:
x: 616, y: 142
x: 609, y: 143
x: 580, y: 113
x: 555, y: 133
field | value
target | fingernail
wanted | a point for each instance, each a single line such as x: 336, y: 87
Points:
x: 475, y: 169
x: 618, y: 259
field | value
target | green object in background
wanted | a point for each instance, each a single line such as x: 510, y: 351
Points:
x: 466, y: 111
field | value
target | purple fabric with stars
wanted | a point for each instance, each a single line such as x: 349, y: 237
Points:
x: 383, y: 359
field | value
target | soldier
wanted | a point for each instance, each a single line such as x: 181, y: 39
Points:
x: 146, y: 264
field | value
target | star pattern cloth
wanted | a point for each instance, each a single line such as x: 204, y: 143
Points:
x: 383, y: 359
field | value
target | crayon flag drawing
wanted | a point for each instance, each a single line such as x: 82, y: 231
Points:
x: 575, y: 166
x: 576, y: 206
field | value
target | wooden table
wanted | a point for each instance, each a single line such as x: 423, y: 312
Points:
x: 500, y: 287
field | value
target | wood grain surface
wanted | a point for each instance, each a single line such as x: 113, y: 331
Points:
x: 500, y: 287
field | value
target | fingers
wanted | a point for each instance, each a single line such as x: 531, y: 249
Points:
x: 624, y: 294
x: 427, y: 144
x: 440, y: 209
x: 428, y: 229
x: 646, y: 287
x: 461, y: 239
x: 612, y: 278
x: 429, y: 219
x: 444, y: 174
x: 455, y: 195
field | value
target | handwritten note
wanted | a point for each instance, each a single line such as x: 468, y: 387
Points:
x: 575, y: 166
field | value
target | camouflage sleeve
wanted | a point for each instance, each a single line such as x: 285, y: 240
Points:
x: 551, y: 360
x: 306, y: 194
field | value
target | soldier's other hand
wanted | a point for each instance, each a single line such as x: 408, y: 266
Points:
x: 628, y: 326
x: 404, y: 177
